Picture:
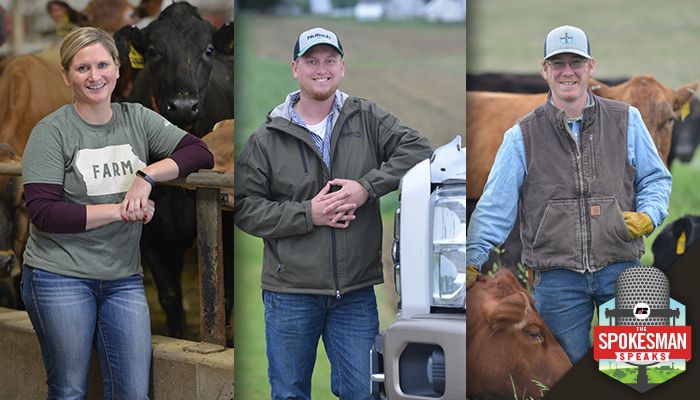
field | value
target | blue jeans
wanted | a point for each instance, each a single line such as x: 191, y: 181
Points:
x: 293, y: 325
x: 69, y: 315
x: 566, y: 300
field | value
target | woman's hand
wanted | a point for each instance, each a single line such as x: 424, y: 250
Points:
x: 135, y: 206
x: 148, y: 211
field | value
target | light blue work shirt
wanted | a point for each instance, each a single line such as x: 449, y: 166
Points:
x: 496, y: 211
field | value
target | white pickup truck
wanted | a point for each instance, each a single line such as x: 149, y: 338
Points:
x: 422, y: 355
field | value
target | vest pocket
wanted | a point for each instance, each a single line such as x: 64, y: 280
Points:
x: 610, y: 239
x: 557, y: 240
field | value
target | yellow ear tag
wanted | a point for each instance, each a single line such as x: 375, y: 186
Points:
x: 685, y: 110
x: 135, y: 58
x: 680, y: 244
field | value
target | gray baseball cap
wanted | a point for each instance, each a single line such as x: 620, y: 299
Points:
x: 312, y: 37
x: 566, y: 39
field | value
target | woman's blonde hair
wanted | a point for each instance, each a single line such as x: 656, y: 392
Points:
x: 81, y: 37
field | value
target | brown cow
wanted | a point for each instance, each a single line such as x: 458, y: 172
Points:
x: 109, y: 15
x: 220, y: 143
x: 32, y: 89
x: 14, y: 224
x: 489, y: 115
x: 510, y: 350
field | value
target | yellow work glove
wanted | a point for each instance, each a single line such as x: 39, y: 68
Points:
x: 638, y: 223
x: 472, y: 275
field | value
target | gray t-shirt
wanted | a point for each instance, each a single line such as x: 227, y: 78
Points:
x: 96, y: 164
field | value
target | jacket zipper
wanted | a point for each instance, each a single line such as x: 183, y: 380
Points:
x: 582, y: 207
x: 334, y: 264
x: 334, y: 258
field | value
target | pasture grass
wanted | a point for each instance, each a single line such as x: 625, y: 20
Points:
x: 412, y: 69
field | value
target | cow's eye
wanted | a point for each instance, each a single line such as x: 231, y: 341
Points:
x: 534, y: 334
x: 668, y: 121
x: 209, y: 51
x: 151, y: 52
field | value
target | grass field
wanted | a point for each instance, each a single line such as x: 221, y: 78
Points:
x: 413, y: 69
x: 626, y: 38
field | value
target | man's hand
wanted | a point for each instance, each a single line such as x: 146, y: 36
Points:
x: 472, y: 275
x: 350, y: 192
x: 638, y: 223
x: 332, y: 209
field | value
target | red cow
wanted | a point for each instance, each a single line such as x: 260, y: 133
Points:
x: 510, y: 350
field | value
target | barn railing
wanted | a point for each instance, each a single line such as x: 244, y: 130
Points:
x: 208, y: 186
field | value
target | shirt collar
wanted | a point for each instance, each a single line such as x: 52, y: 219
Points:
x: 294, y: 99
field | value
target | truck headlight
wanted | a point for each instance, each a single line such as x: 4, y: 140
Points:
x: 449, y: 269
x: 396, y: 251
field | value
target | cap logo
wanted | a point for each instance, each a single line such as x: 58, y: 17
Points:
x: 317, y: 34
x: 566, y: 39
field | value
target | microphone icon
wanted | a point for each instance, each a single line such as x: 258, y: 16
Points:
x: 642, y: 299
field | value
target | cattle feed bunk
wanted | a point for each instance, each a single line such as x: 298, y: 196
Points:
x: 180, y: 369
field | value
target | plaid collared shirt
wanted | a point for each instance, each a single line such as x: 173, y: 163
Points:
x: 322, y: 143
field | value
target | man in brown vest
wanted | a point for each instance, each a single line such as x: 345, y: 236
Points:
x: 587, y: 182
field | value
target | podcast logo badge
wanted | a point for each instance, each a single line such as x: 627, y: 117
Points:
x: 641, y: 339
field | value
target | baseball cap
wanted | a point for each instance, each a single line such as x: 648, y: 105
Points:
x: 566, y: 39
x: 312, y: 37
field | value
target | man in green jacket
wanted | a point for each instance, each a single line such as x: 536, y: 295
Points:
x: 308, y: 182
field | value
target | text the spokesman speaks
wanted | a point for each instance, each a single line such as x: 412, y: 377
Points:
x: 641, y: 343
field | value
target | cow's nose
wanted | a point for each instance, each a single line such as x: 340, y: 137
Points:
x: 183, y: 109
x: 685, y: 152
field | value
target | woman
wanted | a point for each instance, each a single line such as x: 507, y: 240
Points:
x: 88, y: 170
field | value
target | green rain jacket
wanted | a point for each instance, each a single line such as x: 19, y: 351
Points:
x: 280, y: 170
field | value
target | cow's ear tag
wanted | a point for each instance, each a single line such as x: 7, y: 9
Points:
x: 685, y: 110
x: 135, y: 58
x: 680, y: 244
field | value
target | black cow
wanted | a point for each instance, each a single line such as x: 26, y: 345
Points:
x: 188, y: 78
x: 674, y: 240
x: 686, y: 134
x: 188, y: 74
x: 686, y: 131
x: 517, y: 83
